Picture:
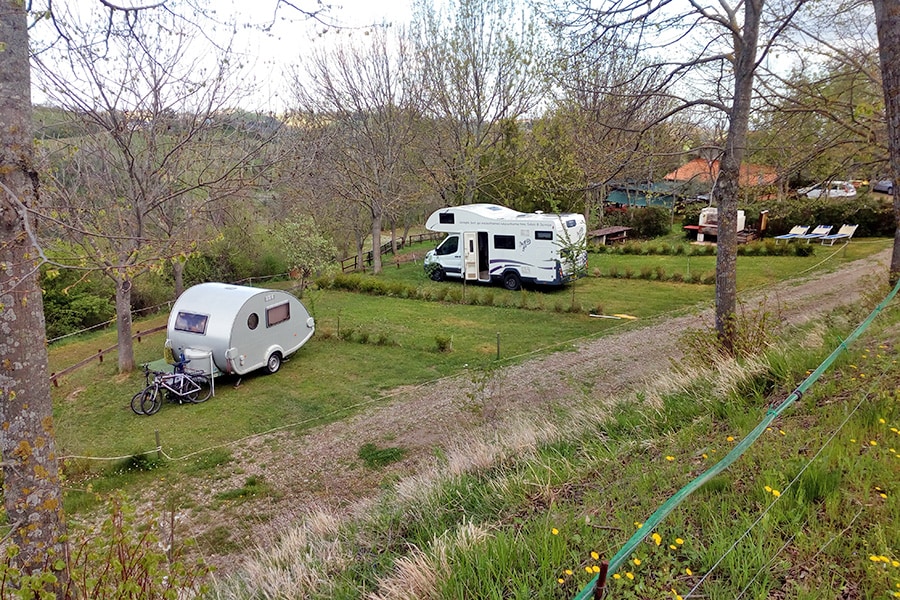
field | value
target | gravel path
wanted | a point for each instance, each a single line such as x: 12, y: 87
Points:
x: 320, y: 469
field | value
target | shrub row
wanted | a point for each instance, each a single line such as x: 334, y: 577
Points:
x: 761, y: 248
x: 449, y: 292
x: 657, y: 274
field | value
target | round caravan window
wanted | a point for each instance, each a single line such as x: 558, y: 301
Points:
x: 253, y: 320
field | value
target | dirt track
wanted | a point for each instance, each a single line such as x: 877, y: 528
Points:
x: 321, y: 468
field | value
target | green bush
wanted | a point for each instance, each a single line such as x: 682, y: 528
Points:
x: 648, y: 222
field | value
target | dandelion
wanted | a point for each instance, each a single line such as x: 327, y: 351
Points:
x: 554, y: 531
x: 853, y: 440
x: 638, y: 524
x: 895, y: 564
x: 679, y: 541
x: 561, y: 580
x: 595, y: 556
x: 629, y: 575
x: 636, y: 561
x: 705, y: 455
x: 874, y: 558
x: 595, y: 569
x: 781, y: 431
x: 776, y: 493
x: 768, y: 489
x: 729, y: 438
x: 853, y: 367
x: 883, y: 495
x: 882, y: 421
x: 568, y: 571
x: 688, y: 571
x: 617, y: 576
x: 873, y: 443
x: 589, y: 569
x: 862, y: 375
x: 673, y: 547
x: 675, y: 594
x: 657, y: 538
x: 670, y: 458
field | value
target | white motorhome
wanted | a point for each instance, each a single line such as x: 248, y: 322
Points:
x: 487, y: 242
x: 237, y: 329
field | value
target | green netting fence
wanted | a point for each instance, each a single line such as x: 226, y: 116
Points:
x: 596, y: 586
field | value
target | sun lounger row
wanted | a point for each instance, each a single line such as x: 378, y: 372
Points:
x: 821, y: 233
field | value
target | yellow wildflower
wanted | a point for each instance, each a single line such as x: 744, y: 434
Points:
x: 679, y: 541
x: 729, y: 438
x: 873, y: 443
x: 568, y: 571
x: 657, y: 538
x: 670, y: 458
x: 776, y: 493
x: 768, y: 489
x: 561, y: 580
x: 589, y: 569
x: 705, y: 455
x: 595, y: 569
x: 638, y: 524
x: 882, y: 421
x: 636, y: 561
x: 617, y: 576
x: 554, y: 531
x: 629, y: 575
x: 595, y: 556
x: 673, y: 546
x: 688, y: 571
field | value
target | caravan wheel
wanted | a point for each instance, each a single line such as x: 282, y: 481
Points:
x: 511, y: 281
x: 274, y: 362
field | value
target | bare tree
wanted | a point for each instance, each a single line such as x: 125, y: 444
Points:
x: 31, y: 489
x: 702, y: 56
x: 887, y: 19
x: 158, y: 147
x: 484, y: 67
x: 365, y: 99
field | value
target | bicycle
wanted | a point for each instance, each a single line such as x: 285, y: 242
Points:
x: 179, y: 386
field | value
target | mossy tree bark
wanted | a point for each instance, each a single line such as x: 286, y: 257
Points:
x: 31, y: 487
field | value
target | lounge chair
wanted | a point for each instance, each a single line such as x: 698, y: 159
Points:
x: 844, y: 233
x: 819, y: 232
x: 793, y: 234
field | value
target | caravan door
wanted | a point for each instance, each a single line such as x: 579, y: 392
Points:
x: 470, y: 256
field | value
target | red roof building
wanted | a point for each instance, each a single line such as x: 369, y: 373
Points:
x: 701, y: 170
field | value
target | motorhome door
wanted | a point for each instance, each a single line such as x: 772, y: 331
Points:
x: 470, y: 256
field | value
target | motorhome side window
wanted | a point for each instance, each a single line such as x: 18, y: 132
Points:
x: 543, y: 235
x: 278, y: 314
x: 191, y: 322
x: 505, y: 242
x: 447, y: 218
x: 570, y: 223
x: 448, y: 246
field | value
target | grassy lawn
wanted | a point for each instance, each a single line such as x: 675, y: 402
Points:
x: 368, y: 344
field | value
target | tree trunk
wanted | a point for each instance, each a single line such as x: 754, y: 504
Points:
x: 178, y: 276
x: 31, y: 489
x: 123, y: 324
x: 727, y: 188
x: 376, y: 242
x: 887, y: 21
x: 360, y: 253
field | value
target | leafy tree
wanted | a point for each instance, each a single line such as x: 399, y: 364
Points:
x: 306, y: 250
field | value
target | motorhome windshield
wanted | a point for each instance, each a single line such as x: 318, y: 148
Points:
x: 448, y: 246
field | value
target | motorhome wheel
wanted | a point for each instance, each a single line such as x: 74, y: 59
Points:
x: 437, y: 274
x: 274, y: 362
x: 511, y: 281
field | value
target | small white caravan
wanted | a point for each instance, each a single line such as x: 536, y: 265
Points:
x: 487, y: 242
x: 237, y: 329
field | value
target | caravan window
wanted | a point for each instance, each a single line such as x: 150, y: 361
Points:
x: 448, y: 246
x: 190, y: 322
x: 570, y: 223
x: 543, y: 235
x: 253, y: 321
x: 447, y: 218
x: 504, y: 242
x: 278, y: 314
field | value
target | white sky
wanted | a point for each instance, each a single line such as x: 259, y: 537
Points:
x: 292, y: 35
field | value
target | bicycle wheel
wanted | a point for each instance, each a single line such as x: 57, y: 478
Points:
x: 189, y: 388
x: 151, y: 401
x: 204, y: 390
x: 136, y: 402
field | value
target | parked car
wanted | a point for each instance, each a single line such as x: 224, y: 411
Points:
x: 885, y: 186
x: 830, y: 189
